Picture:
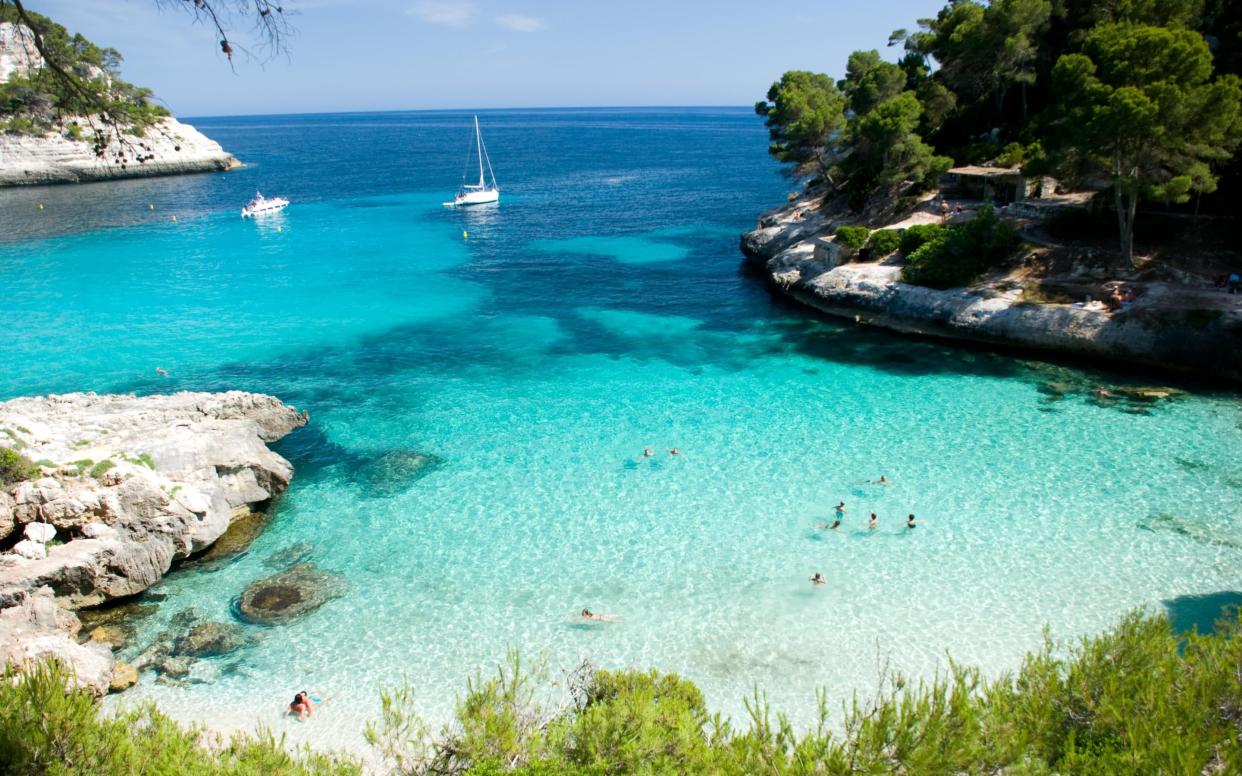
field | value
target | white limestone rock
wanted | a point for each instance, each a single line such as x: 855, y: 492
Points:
x: 1167, y: 327
x: 30, y: 550
x: 40, y: 532
x: 35, y: 628
x: 182, y: 466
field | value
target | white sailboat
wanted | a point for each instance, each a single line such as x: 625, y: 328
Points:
x: 482, y: 192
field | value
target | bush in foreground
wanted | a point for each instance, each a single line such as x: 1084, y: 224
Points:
x: 1138, y: 699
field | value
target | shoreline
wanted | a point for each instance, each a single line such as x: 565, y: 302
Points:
x: 169, y: 147
x: 1169, y: 329
x: 104, y: 495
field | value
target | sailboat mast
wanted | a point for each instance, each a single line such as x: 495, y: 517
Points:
x: 478, y: 137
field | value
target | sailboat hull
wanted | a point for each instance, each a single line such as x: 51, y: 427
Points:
x: 475, y: 198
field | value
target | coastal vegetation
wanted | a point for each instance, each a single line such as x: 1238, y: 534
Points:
x: 40, y: 100
x: 1139, y: 101
x: 15, y: 467
x: 1140, y: 698
x: 957, y: 255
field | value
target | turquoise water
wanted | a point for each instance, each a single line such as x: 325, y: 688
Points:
x: 600, y: 310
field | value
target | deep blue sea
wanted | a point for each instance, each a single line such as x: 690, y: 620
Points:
x: 534, y: 349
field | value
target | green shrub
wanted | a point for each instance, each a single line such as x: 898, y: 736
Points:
x: 852, y: 237
x: 45, y: 729
x: 101, y: 468
x: 1136, y: 699
x: 915, y: 237
x: 15, y: 467
x: 962, y: 253
x: 883, y: 243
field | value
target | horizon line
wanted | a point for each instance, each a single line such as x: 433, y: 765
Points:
x: 455, y: 110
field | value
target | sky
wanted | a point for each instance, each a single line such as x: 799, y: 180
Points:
x: 364, y: 55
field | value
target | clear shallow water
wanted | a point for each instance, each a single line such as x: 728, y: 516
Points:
x: 600, y: 310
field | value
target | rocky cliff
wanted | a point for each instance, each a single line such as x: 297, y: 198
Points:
x: 168, y: 147
x: 1169, y: 327
x: 125, y: 487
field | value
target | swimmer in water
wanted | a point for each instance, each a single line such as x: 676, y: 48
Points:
x: 587, y: 614
x: 648, y: 453
x: 882, y: 481
x: 910, y: 522
x: 161, y: 371
x: 840, y: 509
x: 674, y: 451
x: 830, y: 527
x: 818, y: 578
x: 302, y: 706
x: 874, y: 523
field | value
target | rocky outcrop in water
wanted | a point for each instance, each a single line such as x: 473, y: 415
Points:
x: 167, y: 147
x: 1168, y: 327
x: 289, y: 594
x: 128, y: 486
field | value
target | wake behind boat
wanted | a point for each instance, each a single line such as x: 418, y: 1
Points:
x: 261, y: 205
x: 482, y: 192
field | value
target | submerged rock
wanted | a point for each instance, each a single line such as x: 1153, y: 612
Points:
x: 210, y: 639
x: 393, y: 471
x: 292, y: 555
x: 289, y: 594
x: 121, y: 615
x: 124, y: 676
x: 114, y: 636
x: 1195, y: 530
x: 241, y: 533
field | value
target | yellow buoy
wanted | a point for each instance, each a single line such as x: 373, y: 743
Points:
x: 280, y: 229
x: 151, y: 207
x: 174, y: 218
x: 464, y: 235
x: 40, y: 205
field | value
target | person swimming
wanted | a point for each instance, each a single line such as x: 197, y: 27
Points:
x: 874, y: 523
x: 882, y: 481
x: 587, y: 614
x: 161, y: 371
x: 648, y: 453
x: 910, y: 522
x: 302, y: 705
x: 840, y: 509
x: 674, y: 451
x: 818, y: 578
x: 834, y: 525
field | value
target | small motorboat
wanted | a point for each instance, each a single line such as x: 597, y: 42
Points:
x: 261, y: 205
